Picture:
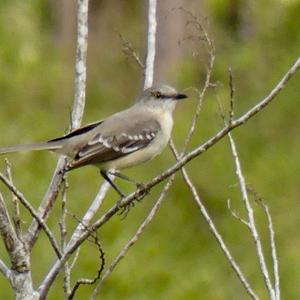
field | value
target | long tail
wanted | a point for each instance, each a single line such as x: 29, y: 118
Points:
x: 31, y: 147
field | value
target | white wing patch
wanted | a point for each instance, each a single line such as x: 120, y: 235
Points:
x: 123, y: 143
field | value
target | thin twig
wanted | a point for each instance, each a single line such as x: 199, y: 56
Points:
x: 235, y: 214
x: 72, y: 264
x: 136, y: 236
x: 215, y: 231
x: 232, y: 91
x: 129, y: 50
x: 243, y: 188
x: 32, y: 212
x: 258, y: 198
x: 251, y: 220
x: 63, y: 236
x: 211, y: 53
x: 4, y: 269
x: 48, y: 280
x: 10, y: 239
x: 16, y: 216
x: 274, y: 252
x: 47, y: 203
x: 83, y: 281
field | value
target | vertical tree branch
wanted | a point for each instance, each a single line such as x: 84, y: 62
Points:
x: 20, y: 274
x: 63, y: 236
x: 251, y: 220
x: 274, y: 252
x: 80, y: 67
x: 77, y: 113
x: 151, y: 45
x: 215, y: 231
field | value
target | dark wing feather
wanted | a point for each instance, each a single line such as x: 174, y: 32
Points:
x: 103, y: 148
x: 78, y: 131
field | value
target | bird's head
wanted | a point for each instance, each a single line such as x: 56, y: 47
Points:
x: 164, y: 97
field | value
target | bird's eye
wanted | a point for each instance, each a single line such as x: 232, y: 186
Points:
x: 156, y: 94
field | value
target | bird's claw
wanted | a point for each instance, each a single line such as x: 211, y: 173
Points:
x: 142, y: 191
x: 124, y: 210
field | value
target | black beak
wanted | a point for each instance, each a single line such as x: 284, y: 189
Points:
x: 180, y: 96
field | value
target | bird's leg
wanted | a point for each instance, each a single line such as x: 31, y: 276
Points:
x: 123, y: 210
x: 142, y: 189
x: 114, y: 186
x: 124, y: 177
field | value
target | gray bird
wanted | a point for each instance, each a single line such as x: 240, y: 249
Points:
x: 125, y: 139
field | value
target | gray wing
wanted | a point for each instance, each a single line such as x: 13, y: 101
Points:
x: 106, y: 145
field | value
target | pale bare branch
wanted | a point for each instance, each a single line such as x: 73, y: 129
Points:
x: 215, y: 232
x: 80, y: 67
x: 129, y: 50
x: 3, y: 268
x: 235, y: 214
x: 32, y: 212
x: 90, y: 213
x: 151, y: 47
x: 136, y: 236
x: 63, y: 236
x: 20, y: 273
x: 16, y: 216
x: 77, y: 113
x: 258, y: 198
x: 251, y: 220
x: 274, y: 252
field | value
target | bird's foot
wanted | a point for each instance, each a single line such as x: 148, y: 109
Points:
x: 125, y: 209
x: 142, y: 191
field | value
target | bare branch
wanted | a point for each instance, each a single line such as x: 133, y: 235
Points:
x: 16, y: 217
x: 232, y: 90
x: 183, y: 161
x: 72, y: 264
x: 136, y: 236
x: 20, y: 274
x: 3, y: 268
x: 47, y: 202
x: 201, y: 95
x: 32, y: 212
x: 96, y: 204
x: 63, y: 236
x: 8, y: 233
x: 80, y: 67
x: 274, y: 252
x: 93, y: 280
x: 258, y: 198
x: 129, y: 50
x: 215, y: 232
x: 152, y: 24
x: 77, y: 113
x: 251, y: 220
x: 235, y: 214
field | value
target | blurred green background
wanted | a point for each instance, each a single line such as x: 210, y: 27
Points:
x: 177, y: 257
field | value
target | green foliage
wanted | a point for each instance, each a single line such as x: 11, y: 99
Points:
x: 176, y: 258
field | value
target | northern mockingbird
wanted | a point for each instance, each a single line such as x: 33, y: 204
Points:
x: 125, y: 139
